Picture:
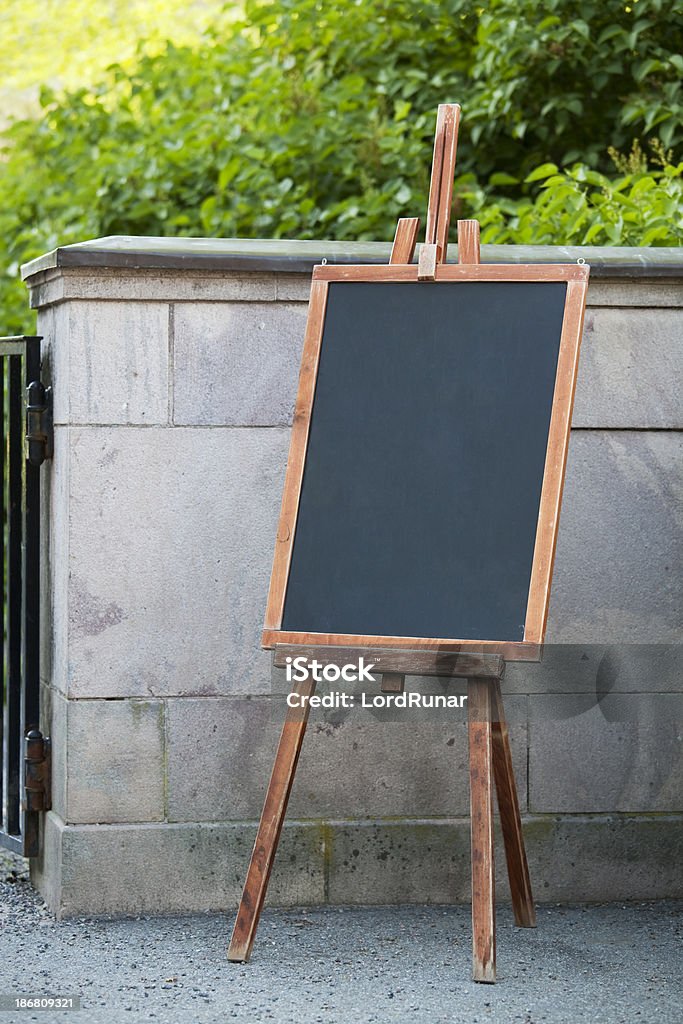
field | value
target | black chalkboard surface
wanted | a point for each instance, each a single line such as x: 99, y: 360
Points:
x: 418, y: 508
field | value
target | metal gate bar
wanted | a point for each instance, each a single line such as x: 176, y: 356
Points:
x: 20, y: 673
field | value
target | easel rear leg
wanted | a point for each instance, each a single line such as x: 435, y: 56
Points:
x: 270, y: 827
x: 510, y: 818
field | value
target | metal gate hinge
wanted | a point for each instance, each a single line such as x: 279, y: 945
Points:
x: 37, y: 771
x: 39, y: 433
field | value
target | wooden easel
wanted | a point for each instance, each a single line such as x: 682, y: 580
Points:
x: 490, y: 759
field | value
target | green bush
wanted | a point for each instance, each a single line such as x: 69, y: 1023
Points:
x: 580, y: 206
x: 315, y: 120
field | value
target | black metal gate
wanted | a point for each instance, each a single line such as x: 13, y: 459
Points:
x: 26, y: 439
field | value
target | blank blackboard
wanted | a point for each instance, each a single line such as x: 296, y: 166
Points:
x: 419, y: 501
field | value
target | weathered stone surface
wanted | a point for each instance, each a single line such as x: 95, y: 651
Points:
x: 619, y: 566
x: 599, y: 669
x: 55, y: 559
x: 46, y: 868
x: 418, y: 767
x: 117, y: 369
x: 106, y: 284
x: 53, y: 328
x: 293, y: 287
x: 399, y: 862
x: 236, y: 363
x: 114, y: 761
x: 570, y: 859
x: 137, y: 869
x: 145, y: 869
x: 605, y: 858
x: 630, y: 369
x: 624, y: 753
x: 643, y: 292
x: 58, y: 733
x: 171, y: 534
x: 632, y: 263
x: 56, y: 285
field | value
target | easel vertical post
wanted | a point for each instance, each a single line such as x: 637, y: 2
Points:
x: 480, y: 707
x: 435, y: 248
x: 481, y: 704
x: 402, y: 251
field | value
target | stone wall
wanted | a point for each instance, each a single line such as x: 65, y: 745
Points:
x: 174, y: 368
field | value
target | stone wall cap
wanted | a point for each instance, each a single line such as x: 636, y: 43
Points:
x: 299, y: 257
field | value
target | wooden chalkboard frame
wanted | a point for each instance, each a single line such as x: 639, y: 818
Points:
x: 528, y: 649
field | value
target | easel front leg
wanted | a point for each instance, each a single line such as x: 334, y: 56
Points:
x: 510, y: 818
x: 479, y: 702
x: 270, y: 826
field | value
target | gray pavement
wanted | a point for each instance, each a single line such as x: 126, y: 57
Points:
x: 616, y: 964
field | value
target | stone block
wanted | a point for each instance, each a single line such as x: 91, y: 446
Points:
x: 116, y: 363
x: 599, y: 669
x: 630, y: 369
x: 623, y: 753
x: 152, y: 869
x: 619, y: 567
x: 399, y: 862
x: 171, y: 534
x: 236, y: 363
x: 293, y: 287
x: 571, y: 859
x: 114, y: 761
x: 53, y: 328
x: 604, y: 858
x: 640, y: 291
x: 54, y: 541
x: 149, y: 285
x: 46, y: 868
x: 418, y: 767
x: 58, y: 733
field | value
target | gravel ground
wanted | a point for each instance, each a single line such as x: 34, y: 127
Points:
x: 617, y: 964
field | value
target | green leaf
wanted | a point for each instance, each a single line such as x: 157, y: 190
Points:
x: 609, y: 33
x: 592, y: 233
x: 661, y: 234
x: 544, y: 171
x: 646, y: 67
x: 501, y: 178
x: 667, y: 132
x: 580, y: 26
x: 401, y: 110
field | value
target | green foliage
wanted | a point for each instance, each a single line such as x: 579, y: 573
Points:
x: 315, y: 120
x: 569, y: 77
x: 580, y: 206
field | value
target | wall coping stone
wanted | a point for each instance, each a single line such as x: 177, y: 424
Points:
x: 289, y: 256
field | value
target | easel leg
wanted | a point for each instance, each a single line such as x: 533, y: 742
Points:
x: 510, y: 819
x: 270, y: 826
x: 479, y: 701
